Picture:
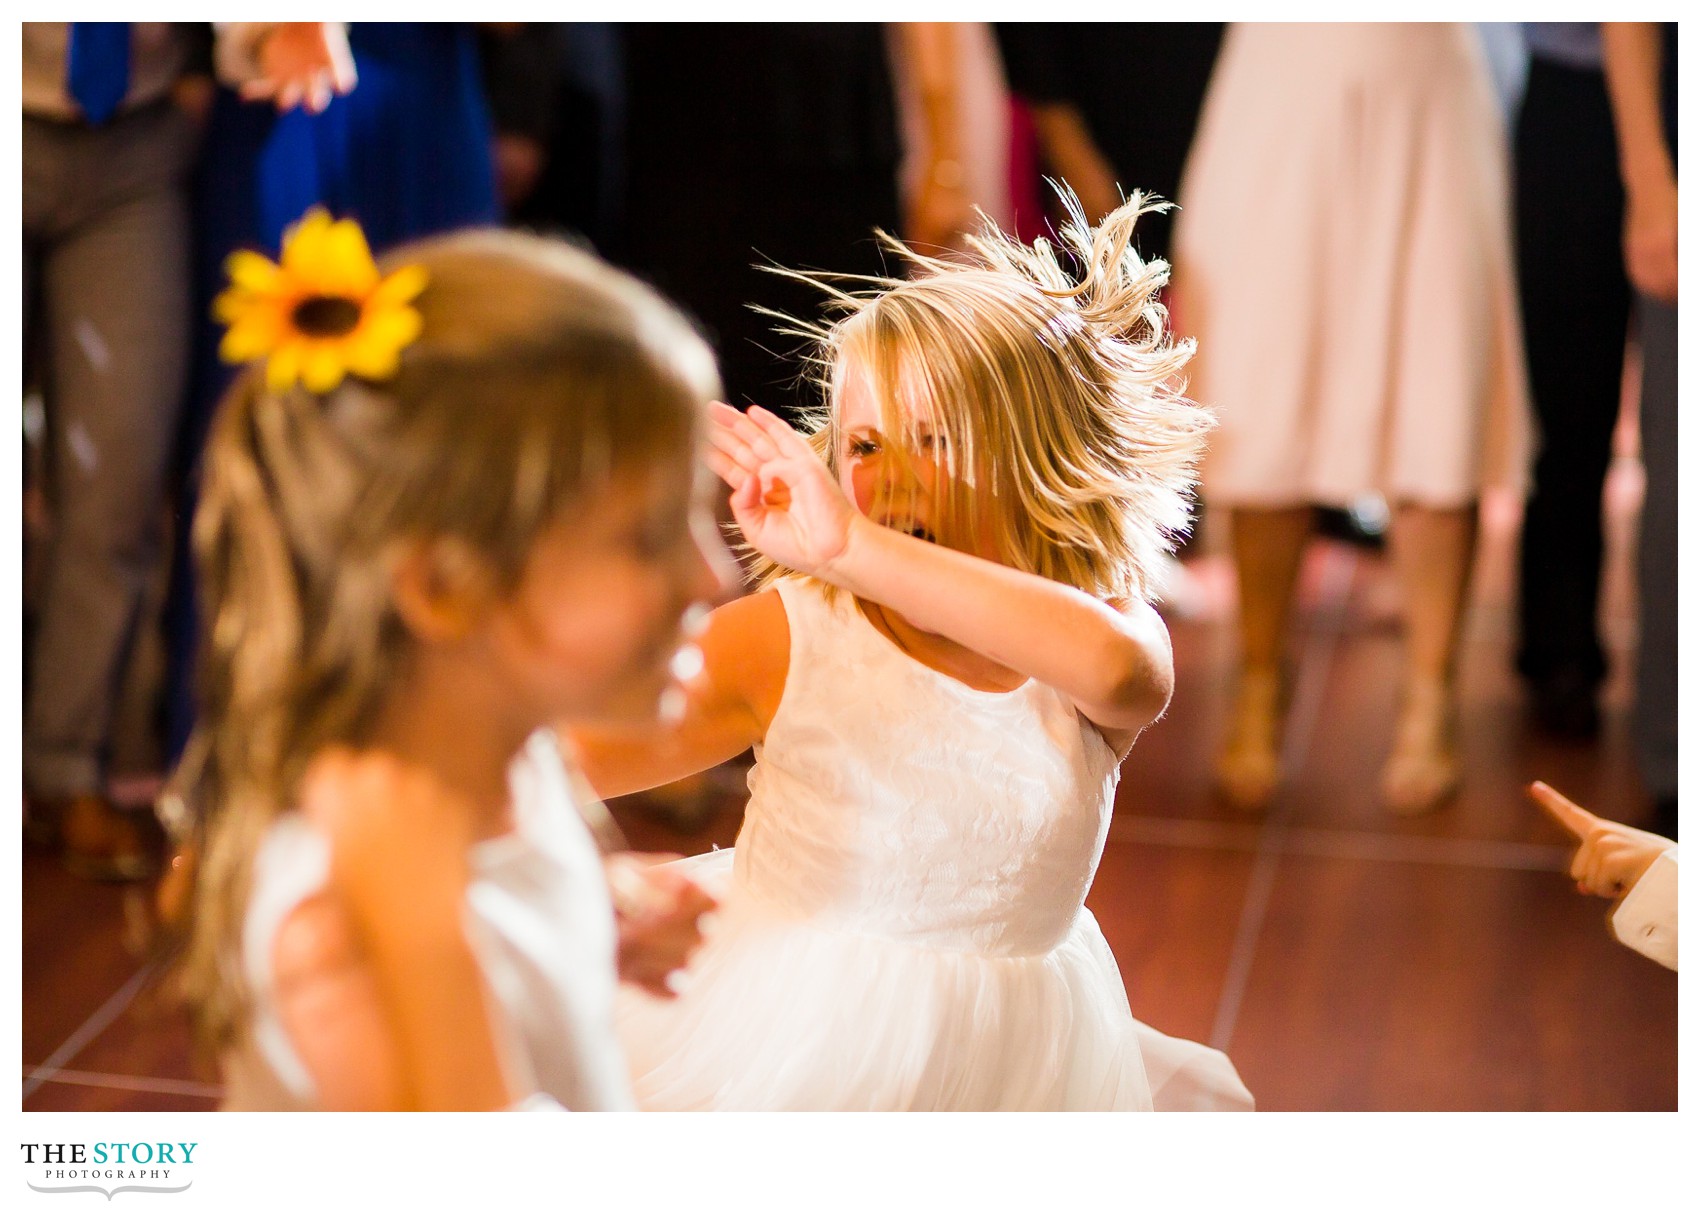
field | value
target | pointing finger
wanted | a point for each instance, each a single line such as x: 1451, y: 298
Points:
x: 1562, y: 809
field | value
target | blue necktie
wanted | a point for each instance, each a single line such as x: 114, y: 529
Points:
x: 98, y: 68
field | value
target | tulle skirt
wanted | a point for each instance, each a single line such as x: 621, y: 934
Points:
x: 783, y: 1014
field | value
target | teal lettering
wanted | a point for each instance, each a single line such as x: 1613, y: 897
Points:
x: 166, y: 1154
x: 100, y: 1151
x: 188, y: 1149
x: 136, y: 1152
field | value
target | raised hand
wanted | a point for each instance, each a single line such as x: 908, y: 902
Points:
x: 302, y: 63
x: 1612, y: 856
x: 783, y: 497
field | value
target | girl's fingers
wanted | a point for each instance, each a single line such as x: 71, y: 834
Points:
x: 1597, y: 878
x: 1562, y: 809
x: 723, y: 413
x: 725, y: 467
x: 747, y: 496
x: 758, y: 439
x: 732, y: 434
x: 734, y: 447
x: 786, y: 438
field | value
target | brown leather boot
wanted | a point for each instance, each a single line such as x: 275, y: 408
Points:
x: 98, y: 842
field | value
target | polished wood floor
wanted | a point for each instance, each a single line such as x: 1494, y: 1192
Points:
x: 1345, y: 959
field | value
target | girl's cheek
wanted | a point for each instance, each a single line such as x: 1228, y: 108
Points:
x: 861, y: 487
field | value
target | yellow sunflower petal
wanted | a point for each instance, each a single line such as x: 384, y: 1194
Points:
x: 322, y: 366
x: 348, y: 269
x: 371, y: 360
x: 231, y: 305
x: 374, y: 349
x: 396, y: 327
x: 331, y: 258
x: 252, y: 272
x: 303, y: 242
x: 283, y: 368
x: 402, y: 286
x: 251, y: 337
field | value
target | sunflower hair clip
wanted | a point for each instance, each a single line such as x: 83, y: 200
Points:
x: 321, y: 312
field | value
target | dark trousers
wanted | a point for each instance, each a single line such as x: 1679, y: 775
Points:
x: 105, y: 292
x: 1575, y: 297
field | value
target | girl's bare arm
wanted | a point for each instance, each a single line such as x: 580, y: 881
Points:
x: 1115, y: 665
x: 727, y: 707
x: 399, y: 870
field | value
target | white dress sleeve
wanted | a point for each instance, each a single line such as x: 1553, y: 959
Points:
x: 1646, y: 919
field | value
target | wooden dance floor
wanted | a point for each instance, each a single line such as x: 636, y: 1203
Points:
x: 1344, y: 958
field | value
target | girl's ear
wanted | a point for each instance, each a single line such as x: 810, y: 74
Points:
x: 441, y: 589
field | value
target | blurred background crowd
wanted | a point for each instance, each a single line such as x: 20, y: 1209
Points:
x: 1402, y: 299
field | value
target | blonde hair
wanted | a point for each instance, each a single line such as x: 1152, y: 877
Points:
x: 539, y: 374
x: 1057, y: 395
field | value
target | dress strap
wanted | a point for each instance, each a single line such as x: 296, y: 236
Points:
x: 562, y: 786
x: 291, y: 865
x: 812, y: 618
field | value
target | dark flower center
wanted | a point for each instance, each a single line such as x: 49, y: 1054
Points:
x: 326, y: 315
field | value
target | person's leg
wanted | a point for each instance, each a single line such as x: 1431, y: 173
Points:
x: 1569, y: 208
x: 114, y: 302
x: 1432, y: 551
x: 1655, y: 670
x: 1268, y: 545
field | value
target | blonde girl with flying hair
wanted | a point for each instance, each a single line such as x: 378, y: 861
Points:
x: 948, y: 654
x: 456, y: 503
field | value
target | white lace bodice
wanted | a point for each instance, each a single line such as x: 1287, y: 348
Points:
x: 890, y: 799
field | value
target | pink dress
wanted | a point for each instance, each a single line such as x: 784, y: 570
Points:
x: 1343, y: 253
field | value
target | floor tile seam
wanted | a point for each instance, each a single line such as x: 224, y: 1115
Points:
x: 129, y: 1082
x: 1500, y: 854
x: 93, y: 1026
x: 1309, y: 690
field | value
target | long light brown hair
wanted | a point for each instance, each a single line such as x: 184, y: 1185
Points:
x: 1054, y: 383
x: 539, y: 374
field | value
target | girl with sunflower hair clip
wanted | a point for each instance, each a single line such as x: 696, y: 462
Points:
x: 450, y: 502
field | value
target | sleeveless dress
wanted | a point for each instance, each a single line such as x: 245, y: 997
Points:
x: 1344, y: 257
x: 542, y: 928
x: 903, y: 923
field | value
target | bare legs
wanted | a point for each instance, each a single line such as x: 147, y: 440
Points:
x: 1267, y: 548
x: 1432, y: 553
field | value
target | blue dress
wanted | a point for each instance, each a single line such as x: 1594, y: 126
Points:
x: 407, y: 153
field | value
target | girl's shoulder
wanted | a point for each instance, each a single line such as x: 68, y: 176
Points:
x: 746, y: 650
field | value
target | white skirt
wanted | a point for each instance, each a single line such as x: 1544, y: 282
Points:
x: 1343, y: 255
x: 783, y: 1014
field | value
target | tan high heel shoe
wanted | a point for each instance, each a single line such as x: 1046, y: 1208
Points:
x: 1249, y: 766
x: 1423, y: 770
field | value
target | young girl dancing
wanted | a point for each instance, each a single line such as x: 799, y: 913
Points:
x: 950, y: 653
x: 456, y: 503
